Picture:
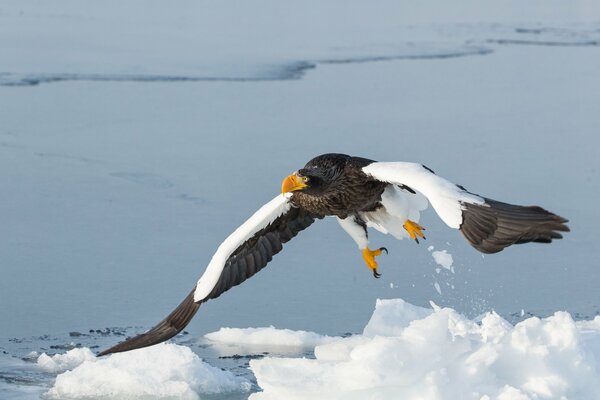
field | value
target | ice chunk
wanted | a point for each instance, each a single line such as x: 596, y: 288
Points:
x: 412, y: 352
x: 443, y: 259
x: 64, y: 362
x: 164, y: 370
x: 268, y: 336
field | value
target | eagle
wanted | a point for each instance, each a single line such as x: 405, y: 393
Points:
x: 360, y: 193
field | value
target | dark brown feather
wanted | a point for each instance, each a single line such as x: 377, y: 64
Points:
x: 495, y: 225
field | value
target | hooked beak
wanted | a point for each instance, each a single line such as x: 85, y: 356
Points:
x: 293, y: 182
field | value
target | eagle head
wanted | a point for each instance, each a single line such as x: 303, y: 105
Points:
x: 311, y: 181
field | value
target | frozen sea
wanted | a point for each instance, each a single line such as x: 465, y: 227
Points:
x: 135, y: 137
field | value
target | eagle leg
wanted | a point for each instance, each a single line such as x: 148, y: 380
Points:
x: 414, y: 230
x: 369, y: 257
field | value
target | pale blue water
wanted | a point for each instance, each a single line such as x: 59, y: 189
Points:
x: 115, y: 194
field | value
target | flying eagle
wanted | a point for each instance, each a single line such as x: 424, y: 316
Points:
x: 359, y: 193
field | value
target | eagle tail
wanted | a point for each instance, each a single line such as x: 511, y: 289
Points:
x: 492, y: 226
x: 164, y: 330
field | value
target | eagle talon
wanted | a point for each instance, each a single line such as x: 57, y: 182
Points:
x: 414, y: 230
x: 384, y: 249
x: 369, y: 257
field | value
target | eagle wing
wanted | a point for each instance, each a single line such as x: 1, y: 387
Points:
x: 245, y: 252
x: 488, y: 225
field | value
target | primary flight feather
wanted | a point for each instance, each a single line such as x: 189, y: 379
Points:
x: 360, y: 193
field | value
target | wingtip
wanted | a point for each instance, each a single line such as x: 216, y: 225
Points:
x: 174, y: 323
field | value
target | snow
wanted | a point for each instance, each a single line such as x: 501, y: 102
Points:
x: 161, y: 371
x: 436, y: 354
x: 268, y: 336
x: 443, y: 259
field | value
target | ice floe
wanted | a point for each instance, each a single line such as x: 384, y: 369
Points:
x: 410, y: 352
x: 161, y: 371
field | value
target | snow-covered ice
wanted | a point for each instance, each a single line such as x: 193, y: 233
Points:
x: 410, y: 352
x: 161, y: 371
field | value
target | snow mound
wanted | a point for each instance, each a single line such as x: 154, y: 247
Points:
x: 409, y: 352
x: 161, y: 371
x: 268, y: 336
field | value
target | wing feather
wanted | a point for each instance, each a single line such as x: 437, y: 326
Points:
x: 488, y: 225
x: 494, y: 226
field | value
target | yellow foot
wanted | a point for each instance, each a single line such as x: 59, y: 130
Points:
x: 414, y: 230
x: 369, y: 256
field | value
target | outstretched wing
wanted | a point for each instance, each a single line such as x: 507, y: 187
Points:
x: 245, y: 252
x: 488, y: 225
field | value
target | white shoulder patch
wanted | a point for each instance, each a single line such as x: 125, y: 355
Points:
x: 444, y: 196
x: 261, y: 219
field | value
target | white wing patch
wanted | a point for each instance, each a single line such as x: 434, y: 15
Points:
x: 444, y: 196
x: 261, y: 219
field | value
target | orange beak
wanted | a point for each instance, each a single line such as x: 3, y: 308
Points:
x: 292, y: 182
